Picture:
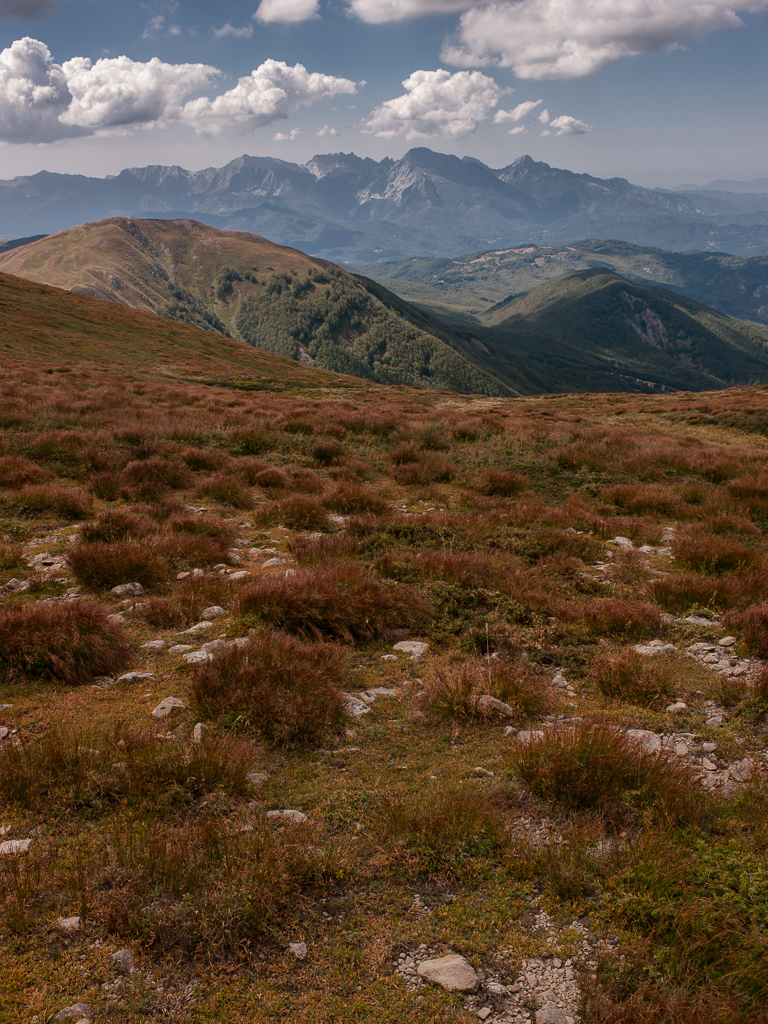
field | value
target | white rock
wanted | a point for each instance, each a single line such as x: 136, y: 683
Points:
x: 180, y: 648
x: 199, y: 732
x: 76, y: 1012
x: 299, y: 950
x: 413, y: 647
x: 243, y: 574
x: 482, y: 773
x: 550, y: 1013
x: 353, y: 706
x: 213, y: 645
x: 715, y: 722
x: 624, y: 543
x: 153, y: 645
x: 135, y: 677
x: 128, y: 590
x: 289, y: 815
x: 650, y: 740
x: 484, y: 1012
x: 389, y: 657
x: 69, y: 924
x: 677, y: 708
x: 197, y: 657
x: 199, y: 627
x: 290, y: 573
x: 123, y: 961
x: 727, y: 641
x: 256, y: 779
x: 653, y: 648
x: 11, y: 846
x: 452, y: 973
x: 214, y: 612
x: 488, y: 705
x: 530, y: 735
x: 167, y: 707
x: 270, y: 562
x: 116, y: 619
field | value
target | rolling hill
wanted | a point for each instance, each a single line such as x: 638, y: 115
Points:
x: 472, y: 283
x: 588, y: 331
x: 270, y: 296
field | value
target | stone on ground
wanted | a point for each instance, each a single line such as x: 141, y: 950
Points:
x: 452, y: 973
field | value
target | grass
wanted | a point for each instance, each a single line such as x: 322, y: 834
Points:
x: 285, y: 689
x: 69, y: 643
x: 162, y: 844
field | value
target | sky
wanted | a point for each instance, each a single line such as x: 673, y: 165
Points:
x: 662, y: 92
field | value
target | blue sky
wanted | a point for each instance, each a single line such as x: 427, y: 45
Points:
x: 658, y: 91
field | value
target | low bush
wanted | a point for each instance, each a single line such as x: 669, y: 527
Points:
x: 499, y: 483
x: 114, y: 525
x: 72, y: 642
x: 100, y: 566
x: 309, y: 550
x: 296, y: 513
x: 67, y: 502
x: 12, y: 557
x: 454, y: 832
x: 16, y: 473
x: 328, y: 453
x: 594, y: 767
x: 354, y: 499
x: 680, y: 593
x: 156, y: 472
x: 89, y: 770
x: 620, y: 616
x: 634, y: 677
x: 453, y: 691
x: 335, y: 600
x: 700, y: 549
x: 753, y: 626
x: 183, y: 607
x: 428, y: 468
x: 286, y: 689
x: 227, y: 489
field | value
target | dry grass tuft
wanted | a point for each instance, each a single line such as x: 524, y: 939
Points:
x: 296, y: 513
x: 753, y: 626
x: 597, y: 768
x: 72, y: 643
x: 336, y: 600
x: 67, y: 502
x: 633, y: 677
x: 286, y: 689
x: 621, y: 616
x: 453, y: 691
x: 100, y: 566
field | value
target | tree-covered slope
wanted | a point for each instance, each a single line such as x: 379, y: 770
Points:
x: 270, y: 296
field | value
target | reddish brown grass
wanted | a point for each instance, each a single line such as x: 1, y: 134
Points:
x: 336, y: 600
x: 698, y: 548
x: 99, y: 566
x: 753, y: 626
x: 286, y: 689
x: 72, y: 642
x: 620, y: 616
x: 67, y: 502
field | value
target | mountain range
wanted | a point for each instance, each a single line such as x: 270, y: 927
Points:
x: 357, y: 210
x: 591, y: 330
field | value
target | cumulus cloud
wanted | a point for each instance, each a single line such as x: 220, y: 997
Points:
x: 26, y: 8
x: 271, y: 92
x: 237, y: 33
x: 544, y: 116
x: 516, y: 113
x: 327, y: 130
x: 153, y: 26
x: 41, y: 101
x: 573, y: 38
x: 378, y: 11
x: 33, y: 94
x: 567, y: 125
x: 518, y: 130
x: 436, y: 103
x: 287, y: 136
x: 118, y: 91
x: 287, y: 10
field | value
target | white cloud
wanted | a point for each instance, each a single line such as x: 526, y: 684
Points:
x: 518, y: 130
x: 378, y: 11
x: 174, y: 30
x: 545, y: 133
x: 33, y: 94
x: 271, y: 92
x: 287, y: 10
x: 573, y: 38
x: 119, y: 91
x: 26, y: 8
x: 237, y: 33
x: 41, y: 101
x: 544, y: 116
x: 326, y: 130
x: 152, y: 27
x: 567, y: 125
x: 289, y: 137
x: 436, y: 103
x: 516, y: 113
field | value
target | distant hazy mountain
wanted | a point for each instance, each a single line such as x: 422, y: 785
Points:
x: 470, y: 284
x: 588, y: 331
x: 345, y: 208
